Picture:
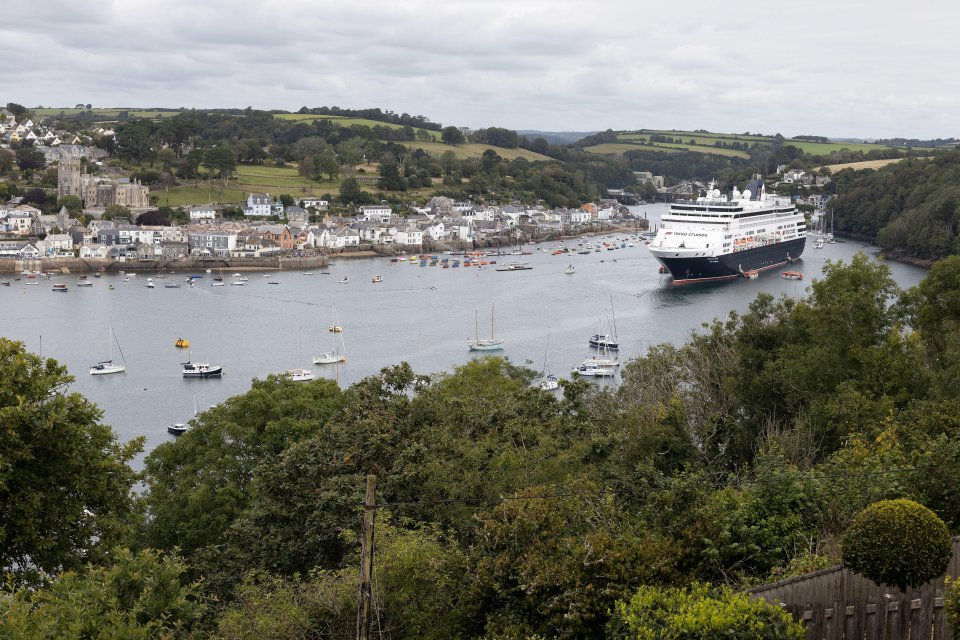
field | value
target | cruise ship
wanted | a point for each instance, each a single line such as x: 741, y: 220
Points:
x: 714, y: 238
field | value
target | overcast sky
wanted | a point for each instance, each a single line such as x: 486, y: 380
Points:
x: 844, y: 68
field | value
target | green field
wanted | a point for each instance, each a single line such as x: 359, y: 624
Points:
x: 621, y: 147
x: 108, y: 112
x: 258, y: 179
x: 474, y: 150
x: 703, y: 142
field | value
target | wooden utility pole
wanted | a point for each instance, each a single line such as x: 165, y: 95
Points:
x: 366, y: 560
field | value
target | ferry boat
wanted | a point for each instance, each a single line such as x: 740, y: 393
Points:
x: 718, y: 239
x: 201, y: 370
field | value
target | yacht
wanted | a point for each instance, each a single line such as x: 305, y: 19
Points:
x: 299, y: 375
x: 712, y: 238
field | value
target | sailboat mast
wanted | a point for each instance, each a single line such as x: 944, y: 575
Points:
x: 491, y: 321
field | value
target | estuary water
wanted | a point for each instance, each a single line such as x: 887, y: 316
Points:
x: 423, y: 315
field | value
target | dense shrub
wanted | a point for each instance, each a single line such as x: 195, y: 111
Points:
x: 700, y: 612
x: 897, y: 542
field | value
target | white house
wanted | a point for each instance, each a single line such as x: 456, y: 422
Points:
x: 316, y: 203
x: 435, y: 231
x: 376, y: 213
x: 18, y: 249
x: 59, y: 244
x: 202, y: 213
x: 794, y: 175
x: 259, y: 204
x: 93, y: 251
x: 344, y: 237
x: 409, y: 235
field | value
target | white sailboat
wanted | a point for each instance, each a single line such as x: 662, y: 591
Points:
x: 299, y: 375
x: 334, y: 356
x: 550, y: 381
x: 107, y: 366
x: 485, y: 344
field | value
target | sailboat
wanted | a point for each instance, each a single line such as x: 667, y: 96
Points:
x: 181, y: 428
x: 299, y: 375
x: 218, y: 280
x: 550, y: 381
x: 107, y: 366
x: 333, y: 356
x: 485, y: 344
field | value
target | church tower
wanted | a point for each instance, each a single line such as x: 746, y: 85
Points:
x: 68, y: 176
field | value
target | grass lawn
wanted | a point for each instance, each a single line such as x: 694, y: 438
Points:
x: 112, y: 112
x: 258, y: 179
x: 473, y: 150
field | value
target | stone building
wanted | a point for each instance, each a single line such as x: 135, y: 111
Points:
x: 96, y: 191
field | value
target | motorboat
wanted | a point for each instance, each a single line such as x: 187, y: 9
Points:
x: 342, y: 280
x: 58, y: 286
x: 604, y: 341
x: 299, y: 375
x: 595, y: 370
x: 177, y: 429
x: 201, y: 370
x: 377, y: 278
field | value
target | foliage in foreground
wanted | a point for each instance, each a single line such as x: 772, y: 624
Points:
x: 133, y: 596
x: 65, y: 482
x: 703, y: 613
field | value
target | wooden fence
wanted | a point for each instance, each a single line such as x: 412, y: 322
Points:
x: 875, y: 619
x: 838, y: 604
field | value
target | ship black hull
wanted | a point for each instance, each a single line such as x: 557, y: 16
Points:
x: 732, y: 265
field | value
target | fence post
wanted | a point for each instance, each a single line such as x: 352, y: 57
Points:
x: 892, y: 619
x: 941, y: 630
x: 870, y: 627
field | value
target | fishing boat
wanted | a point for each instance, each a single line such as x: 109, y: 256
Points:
x: 107, y: 366
x: 485, y: 344
x: 201, y: 370
x: 334, y: 356
x: 182, y: 344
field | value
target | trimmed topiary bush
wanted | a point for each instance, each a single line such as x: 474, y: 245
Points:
x: 897, y: 542
x: 702, y: 611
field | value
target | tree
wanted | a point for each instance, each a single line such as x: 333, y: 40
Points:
x: 29, y: 159
x: 350, y: 191
x: 135, y: 595
x: 115, y: 211
x: 221, y: 159
x: 452, y: 135
x: 156, y: 217
x: 701, y: 611
x: 351, y: 152
x: 7, y: 158
x: 897, y: 542
x: 390, y: 178
x: 73, y: 204
x: 65, y: 483
x: 36, y: 196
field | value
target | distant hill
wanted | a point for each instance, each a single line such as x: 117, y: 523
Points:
x: 556, y: 137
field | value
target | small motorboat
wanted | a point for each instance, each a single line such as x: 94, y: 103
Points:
x: 150, y: 284
x: 58, y: 286
x: 342, y: 280
x: 335, y: 328
x: 177, y: 429
x: 377, y: 278
x: 791, y: 275
x: 299, y: 375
